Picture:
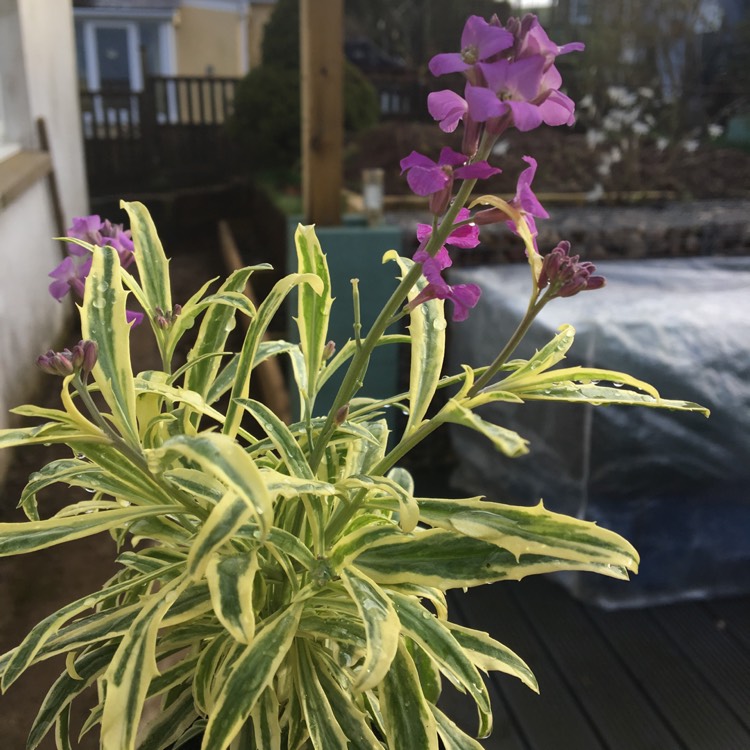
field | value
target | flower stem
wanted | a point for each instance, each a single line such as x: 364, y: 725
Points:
x: 134, y: 456
x: 358, y: 365
x: 534, y: 308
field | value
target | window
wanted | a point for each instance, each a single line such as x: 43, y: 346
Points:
x: 114, y: 55
x: 15, y: 125
x: 580, y: 12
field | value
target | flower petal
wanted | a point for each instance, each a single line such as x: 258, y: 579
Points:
x: 415, y: 159
x: 448, y: 108
x: 449, y: 157
x: 483, y: 104
x: 464, y: 297
x: 447, y: 62
x: 525, y: 116
x: 426, y: 181
x: 480, y: 170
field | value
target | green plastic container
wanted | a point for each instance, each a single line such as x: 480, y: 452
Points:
x: 354, y: 250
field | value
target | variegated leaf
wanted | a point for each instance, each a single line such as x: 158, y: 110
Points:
x: 212, y: 336
x: 129, y: 674
x: 103, y: 321
x: 406, y: 713
x: 530, y: 530
x: 427, y: 329
x: 313, y: 306
x: 89, y: 666
x: 170, y: 724
x: 23, y: 654
x: 281, y: 436
x: 451, y: 736
x: 436, y: 639
x: 230, y: 580
x: 381, y: 627
x: 29, y: 536
x: 506, y: 441
x: 251, y: 672
x: 491, y: 655
x: 448, y: 560
x: 265, y: 718
x: 222, y: 458
x: 325, y: 731
x: 255, y: 332
x: 152, y: 263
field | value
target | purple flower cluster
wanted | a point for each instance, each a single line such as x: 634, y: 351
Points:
x: 462, y: 296
x: 426, y: 177
x: 566, y: 274
x: 81, y: 358
x: 511, y: 78
x: 71, y: 274
x: 511, y: 81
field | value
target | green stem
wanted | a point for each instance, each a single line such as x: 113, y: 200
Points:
x: 135, y: 457
x: 358, y: 366
x: 534, y: 308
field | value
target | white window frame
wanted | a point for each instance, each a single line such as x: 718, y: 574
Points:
x: 7, y: 147
x: 579, y: 15
x: 167, y: 57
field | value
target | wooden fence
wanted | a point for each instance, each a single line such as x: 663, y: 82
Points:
x: 171, y: 134
x: 174, y: 134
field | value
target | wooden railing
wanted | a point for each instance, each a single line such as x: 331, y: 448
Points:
x: 172, y: 132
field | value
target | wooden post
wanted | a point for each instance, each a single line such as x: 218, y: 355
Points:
x: 321, y: 75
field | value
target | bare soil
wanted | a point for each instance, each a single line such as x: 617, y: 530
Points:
x: 566, y: 163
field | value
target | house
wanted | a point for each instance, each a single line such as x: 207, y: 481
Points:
x: 37, y: 80
x: 121, y: 41
x: 157, y: 80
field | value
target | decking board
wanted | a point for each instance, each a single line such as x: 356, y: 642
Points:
x: 673, y: 677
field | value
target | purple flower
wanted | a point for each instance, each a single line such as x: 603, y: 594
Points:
x: 479, y: 41
x: 464, y: 236
x: 72, y: 272
x: 519, y: 86
x: 462, y: 296
x: 524, y: 201
x: 519, y: 93
x: 448, y: 108
x: 532, y: 39
x: 426, y: 177
x: 566, y: 275
x: 93, y: 230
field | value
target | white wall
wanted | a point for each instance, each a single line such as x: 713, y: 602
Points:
x: 30, y: 320
x: 48, y: 39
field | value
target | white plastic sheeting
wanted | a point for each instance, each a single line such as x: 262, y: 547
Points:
x: 675, y: 484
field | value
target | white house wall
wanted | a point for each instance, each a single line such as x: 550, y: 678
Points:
x: 49, y: 60
x: 31, y: 321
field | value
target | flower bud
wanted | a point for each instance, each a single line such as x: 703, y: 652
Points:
x: 341, y: 414
x: 81, y: 358
x: 329, y: 350
x: 90, y: 354
x: 56, y: 363
x: 566, y: 274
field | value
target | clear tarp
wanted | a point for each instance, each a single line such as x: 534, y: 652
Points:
x: 677, y: 485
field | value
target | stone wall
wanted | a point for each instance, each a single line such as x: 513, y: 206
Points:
x: 720, y: 227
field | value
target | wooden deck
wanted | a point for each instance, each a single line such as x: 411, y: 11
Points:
x: 674, y: 677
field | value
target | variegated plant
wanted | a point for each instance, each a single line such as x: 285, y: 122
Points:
x: 283, y: 586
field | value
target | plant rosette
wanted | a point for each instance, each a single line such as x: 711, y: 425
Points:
x: 284, y: 585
